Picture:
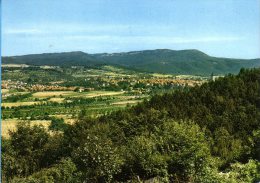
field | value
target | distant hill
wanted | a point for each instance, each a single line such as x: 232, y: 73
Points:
x: 53, y: 59
x: 160, y: 60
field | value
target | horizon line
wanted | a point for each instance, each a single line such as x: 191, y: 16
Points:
x: 188, y: 49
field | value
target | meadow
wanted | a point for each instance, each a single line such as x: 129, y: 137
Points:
x: 10, y: 125
x: 41, y: 93
x: 55, y: 104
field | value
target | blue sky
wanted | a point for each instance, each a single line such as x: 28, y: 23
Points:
x: 224, y: 28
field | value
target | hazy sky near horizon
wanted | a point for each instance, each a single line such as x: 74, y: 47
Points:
x: 229, y: 28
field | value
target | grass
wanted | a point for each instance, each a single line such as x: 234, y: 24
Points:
x: 59, y: 100
x: 111, y: 101
x: 51, y: 94
x: 162, y: 75
x: 56, y: 94
x: 4, y: 91
x: 16, y: 104
x: 101, y: 93
x: 15, y: 65
x: 67, y: 118
x: 10, y: 125
x: 126, y: 102
x: 12, y: 91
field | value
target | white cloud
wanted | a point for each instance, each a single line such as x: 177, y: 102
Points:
x: 90, y: 29
x: 153, y: 39
x: 201, y: 39
x: 117, y: 33
x: 23, y: 31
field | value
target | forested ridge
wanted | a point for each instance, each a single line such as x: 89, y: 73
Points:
x: 191, y: 62
x: 208, y: 133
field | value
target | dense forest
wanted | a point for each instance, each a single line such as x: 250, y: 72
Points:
x: 208, y: 133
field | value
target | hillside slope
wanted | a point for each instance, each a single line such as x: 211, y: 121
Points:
x: 54, y: 59
x: 161, y: 61
x: 177, y: 62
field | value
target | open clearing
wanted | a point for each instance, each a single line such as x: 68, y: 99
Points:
x: 16, y: 104
x: 67, y: 118
x: 15, y: 65
x: 126, y: 102
x: 59, y: 100
x: 162, y: 75
x: 5, y: 91
x: 52, y: 94
x: 101, y: 93
x: 90, y: 94
x: 10, y: 124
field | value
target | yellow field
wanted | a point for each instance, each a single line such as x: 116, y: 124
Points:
x: 162, y: 75
x: 67, y: 118
x: 52, y: 93
x: 15, y: 104
x: 127, y: 97
x: 4, y: 91
x: 126, y: 102
x: 10, y: 124
x: 15, y: 65
x: 101, y: 93
x: 59, y: 100
x: 55, y: 96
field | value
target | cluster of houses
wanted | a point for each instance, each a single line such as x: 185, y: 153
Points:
x: 22, y: 86
x: 18, y: 85
x: 154, y: 81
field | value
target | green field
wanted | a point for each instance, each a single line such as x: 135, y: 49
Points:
x: 63, y: 104
x: 42, y: 92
